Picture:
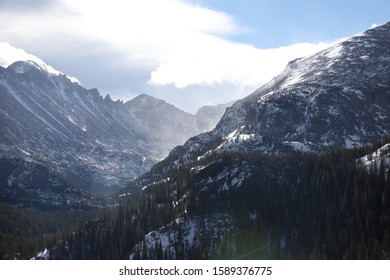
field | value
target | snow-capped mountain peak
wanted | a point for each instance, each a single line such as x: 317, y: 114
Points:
x: 22, y: 67
x: 13, y: 57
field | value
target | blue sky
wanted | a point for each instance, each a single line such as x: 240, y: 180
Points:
x: 273, y: 23
x: 188, y: 52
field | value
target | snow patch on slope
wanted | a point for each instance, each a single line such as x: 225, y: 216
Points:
x: 375, y: 159
x: 163, y: 242
x: 44, y: 255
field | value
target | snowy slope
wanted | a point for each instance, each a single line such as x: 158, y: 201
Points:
x: 337, y: 97
x: 375, y: 160
x: 180, y: 238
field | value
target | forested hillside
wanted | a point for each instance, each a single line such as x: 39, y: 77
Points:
x: 297, y: 206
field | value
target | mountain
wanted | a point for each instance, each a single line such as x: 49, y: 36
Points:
x: 93, y: 143
x: 338, y: 97
x: 51, y: 120
x: 276, y: 149
x: 162, y: 120
x: 208, y: 116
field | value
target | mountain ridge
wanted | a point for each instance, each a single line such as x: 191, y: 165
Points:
x: 96, y: 143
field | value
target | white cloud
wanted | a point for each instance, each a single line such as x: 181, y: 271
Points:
x: 183, y: 42
x: 179, y: 43
x: 147, y: 29
x: 10, y: 54
x: 221, y: 61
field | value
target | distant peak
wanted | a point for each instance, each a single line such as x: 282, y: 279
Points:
x: 147, y: 101
x: 144, y: 98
